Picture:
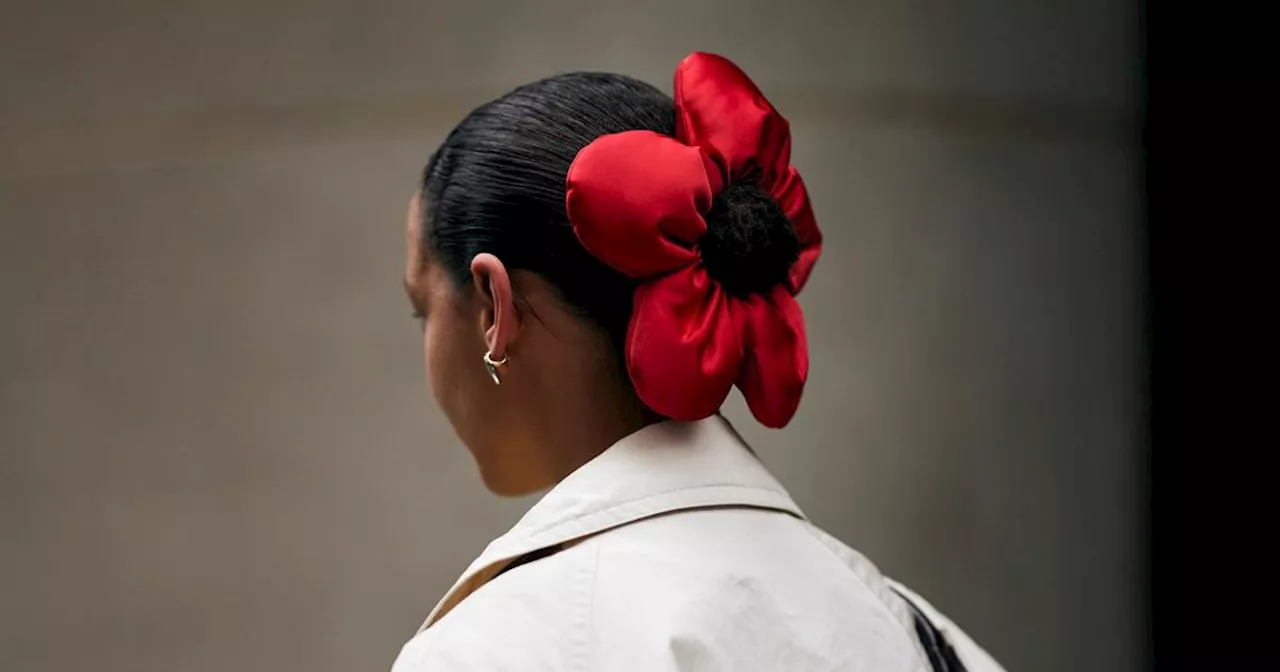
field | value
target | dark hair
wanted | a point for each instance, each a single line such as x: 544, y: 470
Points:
x: 497, y: 185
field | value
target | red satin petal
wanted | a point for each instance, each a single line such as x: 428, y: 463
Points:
x: 683, y: 352
x: 793, y: 197
x: 776, y: 355
x: 719, y: 109
x: 636, y: 199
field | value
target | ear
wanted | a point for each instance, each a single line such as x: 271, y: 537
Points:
x: 499, y: 319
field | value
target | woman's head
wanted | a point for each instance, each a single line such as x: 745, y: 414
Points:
x: 488, y: 233
x: 495, y: 266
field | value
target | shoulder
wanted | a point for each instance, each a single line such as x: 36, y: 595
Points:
x: 894, y: 595
x: 533, y: 617
x: 701, y: 589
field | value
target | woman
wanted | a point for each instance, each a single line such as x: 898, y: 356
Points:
x: 595, y: 265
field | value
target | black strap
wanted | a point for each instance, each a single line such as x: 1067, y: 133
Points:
x: 942, y: 657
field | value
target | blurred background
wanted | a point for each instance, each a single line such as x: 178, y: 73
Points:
x: 217, y: 447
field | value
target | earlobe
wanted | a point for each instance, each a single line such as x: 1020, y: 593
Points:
x: 499, y: 321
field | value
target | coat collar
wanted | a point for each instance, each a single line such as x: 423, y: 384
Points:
x: 665, y: 467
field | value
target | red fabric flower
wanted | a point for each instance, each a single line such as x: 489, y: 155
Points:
x: 638, y: 200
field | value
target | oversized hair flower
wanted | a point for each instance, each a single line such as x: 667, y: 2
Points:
x: 639, y: 201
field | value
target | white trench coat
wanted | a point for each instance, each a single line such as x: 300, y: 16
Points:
x: 676, y: 549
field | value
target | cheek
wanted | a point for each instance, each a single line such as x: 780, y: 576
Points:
x: 450, y: 367
x: 434, y: 349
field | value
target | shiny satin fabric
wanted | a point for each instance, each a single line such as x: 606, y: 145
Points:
x: 638, y: 201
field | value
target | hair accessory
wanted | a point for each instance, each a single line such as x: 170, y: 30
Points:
x: 638, y: 201
x: 492, y: 366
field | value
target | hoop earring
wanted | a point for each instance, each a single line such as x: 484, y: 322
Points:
x: 492, y: 366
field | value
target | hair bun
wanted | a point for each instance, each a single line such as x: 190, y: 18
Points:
x: 749, y: 245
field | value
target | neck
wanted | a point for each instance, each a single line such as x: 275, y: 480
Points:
x: 576, y: 422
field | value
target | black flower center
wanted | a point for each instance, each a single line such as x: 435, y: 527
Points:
x: 749, y: 245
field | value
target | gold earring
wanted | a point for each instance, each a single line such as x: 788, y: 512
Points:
x: 492, y: 366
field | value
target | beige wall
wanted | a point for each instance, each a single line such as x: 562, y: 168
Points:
x: 217, y: 449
